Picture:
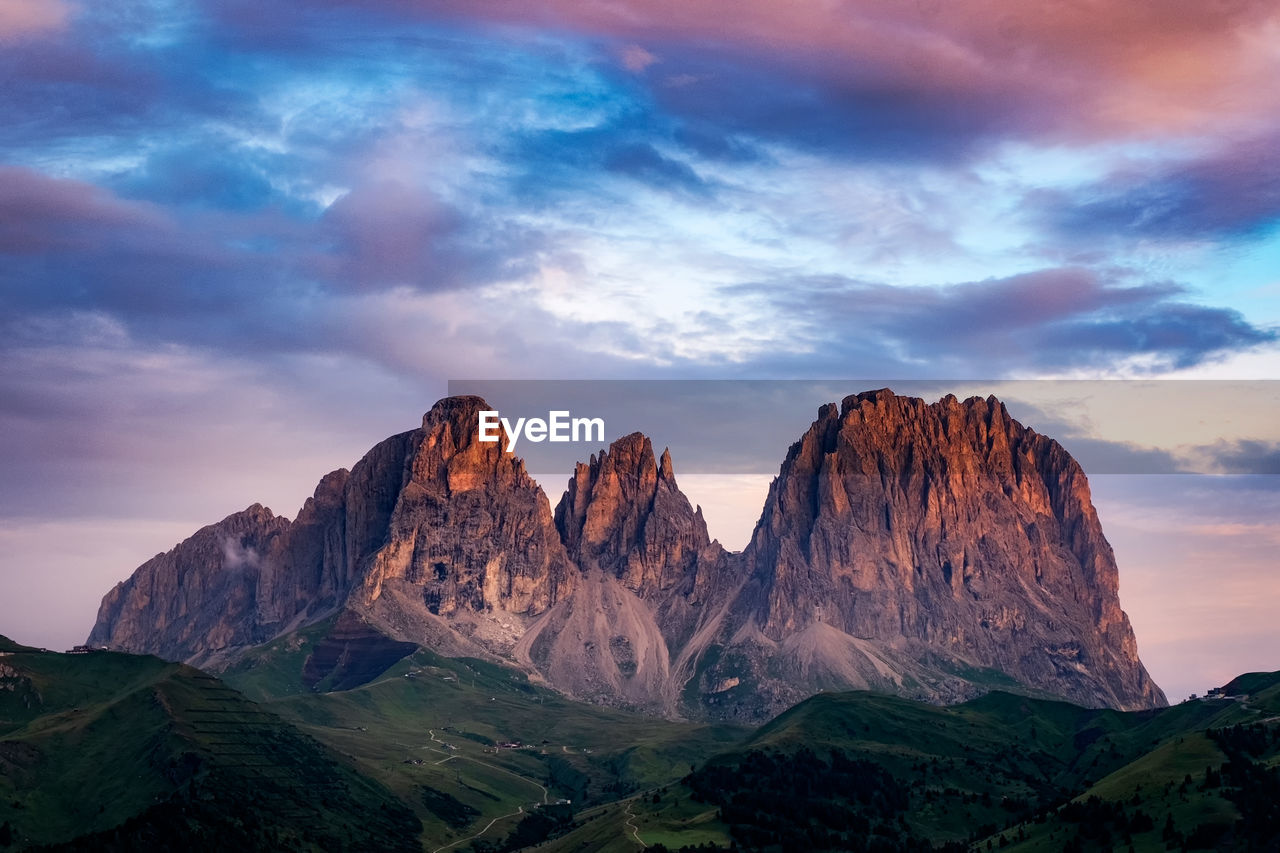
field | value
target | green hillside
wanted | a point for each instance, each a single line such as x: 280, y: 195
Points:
x: 845, y: 771
x: 274, y: 670
x: 7, y: 645
x: 431, y: 728
x: 112, y: 751
x: 128, y: 752
x: 1213, y: 786
x: 860, y: 771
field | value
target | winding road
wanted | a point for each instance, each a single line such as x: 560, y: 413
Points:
x: 545, y: 794
x: 632, y: 828
x: 519, y: 809
x: 635, y: 830
x: 488, y: 826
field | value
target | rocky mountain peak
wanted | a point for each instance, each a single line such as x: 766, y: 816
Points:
x: 951, y: 526
x: 461, y: 410
x: 451, y: 426
x: 624, y: 514
x: 201, y: 595
x: 904, y: 546
x: 431, y: 522
x: 665, y: 469
x: 470, y: 530
x: 450, y: 452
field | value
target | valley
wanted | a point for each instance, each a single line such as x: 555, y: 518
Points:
x: 462, y: 754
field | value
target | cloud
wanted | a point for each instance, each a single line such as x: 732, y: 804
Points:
x: 635, y: 58
x: 257, y: 281
x: 386, y: 234
x: 39, y: 214
x: 1178, y: 334
x: 1053, y: 318
x: 606, y: 160
x: 1243, y: 456
x: 875, y: 70
x: 26, y: 18
x: 120, y: 78
x: 211, y: 174
x: 70, y: 245
x: 1232, y: 191
x: 237, y: 557
x: 643, y: 162
x: 841, y: 109
x: 100, y: 423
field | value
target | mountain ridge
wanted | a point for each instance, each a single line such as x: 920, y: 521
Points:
x: 921, y: 548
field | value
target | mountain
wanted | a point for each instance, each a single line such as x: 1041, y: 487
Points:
x: 108, y: 751
x: 649, y: 574
x: 930, y: 550
x: 442, y: 537
x: 624, y: 514
x: 904, y: 545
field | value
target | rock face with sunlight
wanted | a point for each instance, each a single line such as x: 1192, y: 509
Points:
x: 930, y: 550
x: 432, y: 533
x: 910, y: 547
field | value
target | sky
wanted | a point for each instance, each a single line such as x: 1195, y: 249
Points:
x: 242, y: 242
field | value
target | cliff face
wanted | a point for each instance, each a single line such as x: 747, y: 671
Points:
x: 469, y: 528
x: 430, y: 522
x: 945, y: 532
x: 624, y: 514
x: 645, y: 558
x: 200, y: 595
x: 927, y: 549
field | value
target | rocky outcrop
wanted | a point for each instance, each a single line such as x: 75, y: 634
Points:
x: 351, y: 653
x: 932, y: 550
x: 305, y: 567
x: 200, y: 596
x: 646, y: 563
x: 430, y: 522
x: 624, y: 514
x: 943, y: 534
x: 469, y: 528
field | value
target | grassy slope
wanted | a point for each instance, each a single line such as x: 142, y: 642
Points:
x: 962, y: 761
x: 90, y: 741
x: 122, y: 727
x: 581, y: 752
x: 274, y: 670
x: 969, y: 765
x: 1153, y: 782
x: 78, y: 736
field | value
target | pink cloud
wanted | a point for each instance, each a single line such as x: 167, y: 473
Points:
x: 636, y: 59
x: 1099, y: 66
x: 38, y: 213
x: 389, y: 234
x: 19, y: 18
